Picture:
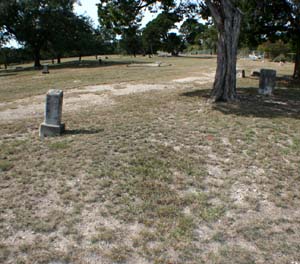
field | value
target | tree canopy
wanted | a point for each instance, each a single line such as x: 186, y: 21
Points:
x: 156, y: 35
x: 273, y: 20
x: 41, y: 24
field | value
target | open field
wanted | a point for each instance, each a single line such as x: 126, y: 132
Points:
x: 149, y: 171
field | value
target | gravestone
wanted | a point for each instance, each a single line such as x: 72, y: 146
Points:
x: 240, y: 73
x: 243, y: 74
x: 52, y: 125
x: 45, y: 69
x: 267, y: 81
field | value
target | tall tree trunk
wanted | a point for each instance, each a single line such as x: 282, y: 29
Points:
x: 37, y: 58
x: 227, y: 18
x: 296, y: 74
x: 58, y: 60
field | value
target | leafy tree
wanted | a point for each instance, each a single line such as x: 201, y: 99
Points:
x: 155, y: 35
x: 209, y: 38
x: 226, y: 16
x: 106, y: 41
x: 32, y: 21
x: 123, y: 17
x: 272, y: 21
x: 275, y: 49
x: 83, y: 40
x: 173, y: 44
x: 191, y: 30
x: 131, y: 41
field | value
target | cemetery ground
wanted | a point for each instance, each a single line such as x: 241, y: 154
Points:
x: 148, y: 170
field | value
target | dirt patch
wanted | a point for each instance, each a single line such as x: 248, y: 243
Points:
x: 24, y: 109
x: 75, y: 99
x: 207, y: 77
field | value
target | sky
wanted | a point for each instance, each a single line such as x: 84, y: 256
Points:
x: 88, y: 7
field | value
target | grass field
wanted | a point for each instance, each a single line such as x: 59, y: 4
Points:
x: 158, y: 176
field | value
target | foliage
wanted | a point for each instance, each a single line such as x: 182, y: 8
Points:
x: 274, y: 49
x: 124, y: 17
x: 106, y: 41
x: 273, y: 20
x: 37, y: 23
x: 173, y: 44
x: 155, y: 35
x: 131, y: 41
x: 192, y: 30
x: 12, y: 55
x: 209, y: 38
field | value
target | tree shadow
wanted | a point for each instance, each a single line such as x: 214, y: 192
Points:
x: 89, y: 64
x: 284, y: 103
x: 75, y: 64
x: 7, y: 74
x: 203, y: 93
x: 82, y: 131
x: 198, y: 56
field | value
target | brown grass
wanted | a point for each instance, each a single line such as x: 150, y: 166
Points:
x: 157, y: 177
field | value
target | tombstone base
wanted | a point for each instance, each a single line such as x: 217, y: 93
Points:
x: 266, y: 91
x: 51, y: 130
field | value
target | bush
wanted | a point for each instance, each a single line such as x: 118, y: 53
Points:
x: 280, y: 58
x: 276, y: 49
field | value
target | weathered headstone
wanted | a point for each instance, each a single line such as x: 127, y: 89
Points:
x: 267, y: 81
x: 52, y: 125
x: 241, y: 73
x: 45, y: 69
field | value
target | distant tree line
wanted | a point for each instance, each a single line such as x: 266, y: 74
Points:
x: 51, y: 29
x: 47, y: 29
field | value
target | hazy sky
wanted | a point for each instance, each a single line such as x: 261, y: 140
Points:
x: 89, y: 8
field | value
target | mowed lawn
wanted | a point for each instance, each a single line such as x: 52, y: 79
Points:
x: 160, y: 176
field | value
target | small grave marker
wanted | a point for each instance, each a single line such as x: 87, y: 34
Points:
x: 45, y: 69
x: 52, y: 125
x: 267, y: 81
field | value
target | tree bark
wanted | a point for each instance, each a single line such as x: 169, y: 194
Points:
x: 296, y: 74
x: 37, y: 58
x: 227, y: 18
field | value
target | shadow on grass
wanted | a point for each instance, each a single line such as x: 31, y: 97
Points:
x: 83, y: 131
x: 284, y: 103
x: 72, y: 65
x: 7, y: 74
x: 198, y: 56
x: 89, y: 64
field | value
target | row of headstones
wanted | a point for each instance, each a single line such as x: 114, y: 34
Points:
x: 52, y: 125
x: 46, y: 68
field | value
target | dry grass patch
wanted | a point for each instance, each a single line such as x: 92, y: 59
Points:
x: 156, y: 177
